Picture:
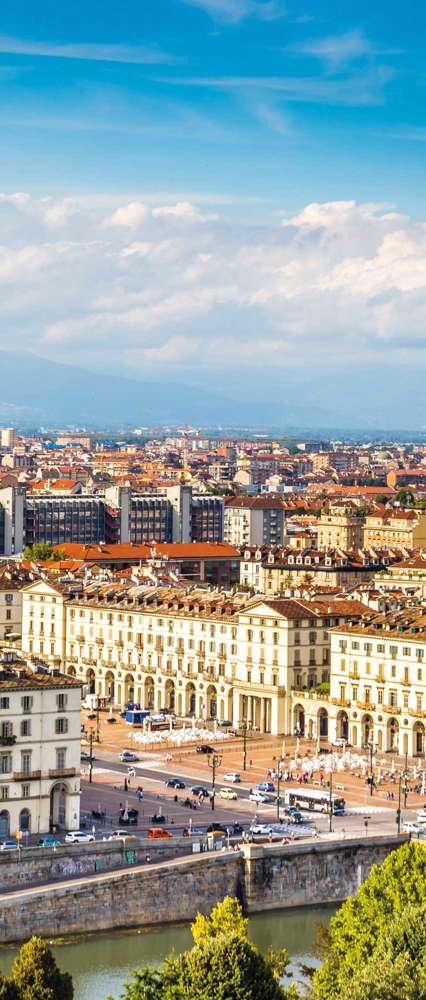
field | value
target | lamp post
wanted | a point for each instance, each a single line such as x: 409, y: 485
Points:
x: 91, y: 755
x: 398, y: 811
x: 244, y: 727
x: 330, y: 804
x: 371, y: 750
x: 278, y: 792
x: 214, y: 761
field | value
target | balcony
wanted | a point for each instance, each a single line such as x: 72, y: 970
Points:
x: 391, y: 709
x: 417, y: 714
x: 367, y: 706
x: 341, y: 702
x: 62, y: 772
x: 7, y: 741
x: 354, y: 675
x: 26, y: 775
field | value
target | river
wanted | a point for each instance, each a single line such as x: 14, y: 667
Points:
x: 99, y: 964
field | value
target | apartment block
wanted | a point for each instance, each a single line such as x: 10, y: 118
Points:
x: 254, y: 520
x: 341, y: 527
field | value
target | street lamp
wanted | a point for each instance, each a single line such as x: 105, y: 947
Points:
x: 214, y: 761
x: 371, y: 749
x: 244, y: 728
x: 330, y: 804
x: 278, y: 792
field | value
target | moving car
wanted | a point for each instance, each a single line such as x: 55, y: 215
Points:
x: 232, y: 776
x: 292, y: 815
x: 49, y: 842
x: 227, y: 793
x: 258, y: 796
x: 204, y: 748
x: 421, y: 816
x: 410, y: 827
x: 79, y: 837
x: 121, y: 835
x: 216, y: 828
x: 159, y: 833
x: 127, y: 756
x: 237, y: 830
x: 175, y: 783
x: 9, y: 845
x: 85, y: 755
x: 265, y: 786
x: 200, y: 790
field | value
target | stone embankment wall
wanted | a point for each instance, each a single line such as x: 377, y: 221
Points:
x: 263, y: 878
x: 38, y: 866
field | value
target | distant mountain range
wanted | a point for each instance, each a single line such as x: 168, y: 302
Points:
x: 35, y: 392
x: 38, y: 393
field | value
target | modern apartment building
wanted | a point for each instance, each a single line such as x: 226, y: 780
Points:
x: 39, y: 748
x: 64, y: 519
x: 203, y: 653
x: 254, y: 520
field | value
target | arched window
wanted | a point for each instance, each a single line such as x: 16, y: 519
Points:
x: 25, y: 820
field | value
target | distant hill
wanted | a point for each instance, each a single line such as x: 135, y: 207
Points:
x: 36, y: 392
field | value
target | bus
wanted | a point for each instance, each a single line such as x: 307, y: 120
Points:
x: 315, y: 800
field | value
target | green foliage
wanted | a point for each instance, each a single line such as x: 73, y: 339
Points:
x: 397, y: 967
x: 225, y: 918
x: 36, y: 976
x: 8, y: 990
x: 363, y: 920
x: 222, y: 965
x: 43, y: 552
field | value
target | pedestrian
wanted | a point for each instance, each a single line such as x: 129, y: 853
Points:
x: 148, y: 859
x: 125, y: 784
x: 250, y: 763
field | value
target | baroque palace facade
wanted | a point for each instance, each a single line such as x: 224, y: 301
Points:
x: 212, y: 654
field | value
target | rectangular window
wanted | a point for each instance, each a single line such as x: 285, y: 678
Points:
x: 61, y: 701
x: 60, y: 759
x: 61, y: 725
x: 27, y: 703
x: 26, y: 727
x: 25, y: 791
x: 380, y: 696
x: 4, y: 703
x: 5, y: 763
x: 5, y: 792
x: 26, y: 762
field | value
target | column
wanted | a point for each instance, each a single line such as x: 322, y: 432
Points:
x: 263, y: 711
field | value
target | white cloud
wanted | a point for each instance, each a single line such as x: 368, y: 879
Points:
x: 183, y: 210
x: 129, y: 216
x: 234, y: 11
x: 338, y: 50
x: 93, y: 51
x: 332, y: 279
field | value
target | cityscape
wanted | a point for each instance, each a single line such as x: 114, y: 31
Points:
x: 212, y: 501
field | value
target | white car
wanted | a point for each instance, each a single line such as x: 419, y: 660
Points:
x: 257, y: 796
x: 79, y: 837
x: 410, y: 827
x: 227, y: 793
x: 120, y: 835
x: 421, y: 816
x: 128, y: 757
x: 232, y: 776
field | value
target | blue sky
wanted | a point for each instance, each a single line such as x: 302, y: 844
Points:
x: 217, y: 191
x: 236, y: 97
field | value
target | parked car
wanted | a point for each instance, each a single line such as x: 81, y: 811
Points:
x: 121, y: 835
x: 204, y: 748
x: 159, y: 833
x: 9, y: 845
x: 85, y: 755
x: 48, y: 842
x: 192, y: 831
x: 200, y: 790
x: 216, y: 828
x: 260, y: 829
x: 227, y: 793
x: 421, y: 816
x: 79, y: 837
x: 232, y: 776
x: 128, y: 817
x: 237, y: 830
x: 127, y: 756
x: 175, y: 783
x: 341, y: 743
x: 265, y: 786
x: 258, y: 796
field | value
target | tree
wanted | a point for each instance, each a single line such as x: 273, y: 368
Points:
x: 222, y: 965
x: 397, y: 967
x: 362, y: 921
x: 36, y: 976
x: 43, y: 552
x: 8, y: 990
